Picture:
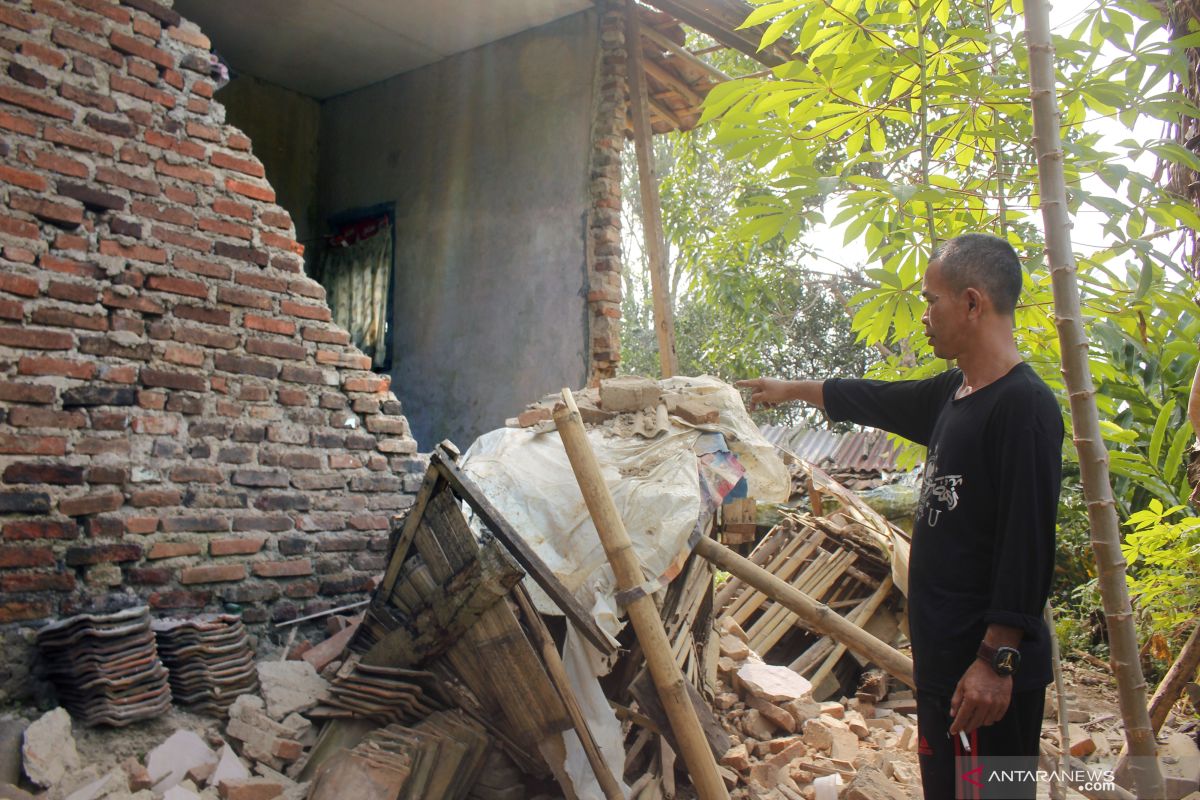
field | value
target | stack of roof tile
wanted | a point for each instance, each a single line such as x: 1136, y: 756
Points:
x: 105, y: 667
x: 209, y: 659
x: 386, y: 694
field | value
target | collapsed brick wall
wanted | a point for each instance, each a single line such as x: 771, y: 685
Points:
x: 180, y: 421
x: 604, y: 217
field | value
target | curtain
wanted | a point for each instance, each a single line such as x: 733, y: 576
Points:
x: 355, y: 269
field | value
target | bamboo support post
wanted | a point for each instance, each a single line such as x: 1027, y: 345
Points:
x: 656, y: 248
x: 643, y: 614
x: 1057, y: 790
x: 814, y: 615
x: 562, y: 684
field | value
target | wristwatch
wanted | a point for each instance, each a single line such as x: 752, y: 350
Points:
x: 1004, y: 660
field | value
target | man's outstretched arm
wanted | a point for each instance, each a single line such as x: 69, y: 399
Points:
x: 773, y: 391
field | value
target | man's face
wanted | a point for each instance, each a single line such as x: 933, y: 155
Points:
x: 945, y: 316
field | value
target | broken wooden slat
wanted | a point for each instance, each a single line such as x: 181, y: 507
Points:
x: 466, y: 489
x: 815, y: 616
x: 862, y: 616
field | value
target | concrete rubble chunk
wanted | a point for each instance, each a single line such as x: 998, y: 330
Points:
x: 170, y: 762
x: 844, y: 746
x: 692, y: 410
x: 229, y: 767
x: 729, y: 626
x: 182, y: 791
x: 871, y: 784
x: 628, y: 393
x: 735, y: 648
x: 289, y: 686
x: 771, y: 683
x: 779, y: 718
x: 49, y: 748
x: 114, y: 782
x: 737, y: 758
x: 818, y: 734
x: 757, y: 726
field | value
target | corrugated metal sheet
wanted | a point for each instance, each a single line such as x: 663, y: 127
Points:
x: 864, y: 451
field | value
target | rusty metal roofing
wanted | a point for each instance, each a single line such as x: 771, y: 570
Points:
x: 864, y: 451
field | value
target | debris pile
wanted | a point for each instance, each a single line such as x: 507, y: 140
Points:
x: 784, y: 741
x: 208, y: 660
x: 105, y: 668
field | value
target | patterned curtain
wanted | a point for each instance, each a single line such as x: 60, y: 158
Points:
x: 355, y: 269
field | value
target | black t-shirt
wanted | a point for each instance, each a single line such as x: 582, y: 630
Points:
x: 983, y: 539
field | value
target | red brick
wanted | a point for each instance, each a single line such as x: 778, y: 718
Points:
x: 369, y: 384
x: 185, y: 381
x: 149, y: 576
x: 102, y: 554
x: 213, y: 573
x: 32, y: 445
x: 179, y: 599
x: 24, y: 530
x: 258, y: 280
x: 185, y: 172
x: 133, y: 252
x: 276, y: 349
x: 19, y: 255
x: 185, y: 147
x: 251, y: 190
x: 269, y: 324
x: 35, y: 102
x: 173, y: 285
x: 28, y: 76
x: 18, y: 611
x: 237, y: 141
x: 83, y: 97
x: 67, y: 266
x: 46, y: 55
x: 205, y: 268
x: 147, y: 28
x: 173, y: 550
x: 60, y: 12
x: 156, y: 426
x: 172, y: 214
x: 215, y: 339
x: 141, y: 525
x: 91, y: 504
x: 27, y: 180
x: 325, y: 336
x: 136, y: 47
x: 236, y: 547
x: 26, y: 392
x: 19, y: 124
x: 209, y: 316
x: 248, y: 166
x: 37, y: 582
x: 282, y: 242
x: 180, y: 195
x: 63, y: 318
x: 18, y: 285
x: 64, y: 165
x: 229, y: 208
x: 17, y: 19
x: 147, y: 498
x: 305, y: 311
x: 226, y: 228
x: 36, y: 339
x: 134, y: 302
x: 105, y: 8
x: 32, y: 472
x: 187, y: 356
x: 66, y: 368
x: 241, y: 297
x: 181, y: 239
x: 19, y: 227
x: 201, y: 131
x: 47, y: 210
x: 16, y: 557
x: 12, y: 309
x: 277, y: 219
x: 198, y: 105
x: 73, y: 292
x: 77, y: 141
x: 190, y: 36
x: 142, y: 91
x: 116, y: 177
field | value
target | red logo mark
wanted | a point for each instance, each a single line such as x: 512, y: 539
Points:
x: 967, y: 777
x: 923, y: 748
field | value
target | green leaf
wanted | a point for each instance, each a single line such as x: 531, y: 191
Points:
x: 1183, y: 437
x: 1160, y: 430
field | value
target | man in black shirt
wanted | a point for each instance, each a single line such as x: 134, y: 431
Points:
x: 983, y: 540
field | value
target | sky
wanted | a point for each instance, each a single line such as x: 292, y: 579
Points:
x: 835, y: 255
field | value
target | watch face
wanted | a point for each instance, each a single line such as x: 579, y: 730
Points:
x: 1007, y: 660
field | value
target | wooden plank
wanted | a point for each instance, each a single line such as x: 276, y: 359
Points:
x: 862, y: 616
x: 400, y: 551
x: 466, y: 489
x: 672, y: 82
x: 683, y: 53
x: 723, y: 28
x: 656, y: 247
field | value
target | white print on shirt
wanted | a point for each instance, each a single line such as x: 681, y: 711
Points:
x: 937, y: 490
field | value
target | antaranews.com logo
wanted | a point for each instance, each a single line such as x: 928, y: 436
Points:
x: 999, y: 778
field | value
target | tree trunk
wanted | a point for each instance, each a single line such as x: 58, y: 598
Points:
x: 1093, y: 457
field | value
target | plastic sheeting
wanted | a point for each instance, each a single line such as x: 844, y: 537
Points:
x: 654, y: 483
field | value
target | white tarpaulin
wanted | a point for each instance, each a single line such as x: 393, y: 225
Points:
x: 654, y: 483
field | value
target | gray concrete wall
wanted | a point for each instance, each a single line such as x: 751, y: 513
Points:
x: 485, y: 156
x: 283, y: 125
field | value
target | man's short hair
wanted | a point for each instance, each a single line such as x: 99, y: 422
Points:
x: 984, y: 262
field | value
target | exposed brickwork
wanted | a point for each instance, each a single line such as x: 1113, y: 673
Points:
x: 604, y: 216
x: 180, y: 422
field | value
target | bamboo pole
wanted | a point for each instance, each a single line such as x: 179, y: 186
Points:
x: 1057, y: 790
x: 656, y: 246
x: 1093, y: 457
x: 643, y: 614
x: 815, y: 616
x: 562, y: 684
